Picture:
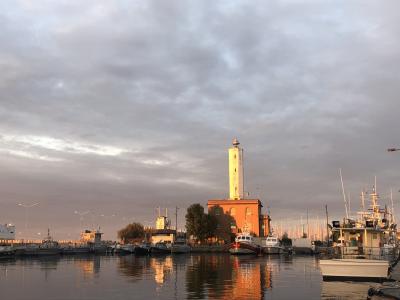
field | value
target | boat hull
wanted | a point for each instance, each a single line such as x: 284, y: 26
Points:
x: 141, y: 251
x: 272, y: 250
x: 332, y: 269
x: 40, y: 252
x: 159, y: 251
x: 127, y: 249
x: 6, y: 252
x: 180, y: 249
x: 243, y: 248
x: 75, y: 250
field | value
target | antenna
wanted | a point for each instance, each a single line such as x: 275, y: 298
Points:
x: 363, y: 200
x: 344, y: 195
x: 391, y: 199
x: 176, y: 219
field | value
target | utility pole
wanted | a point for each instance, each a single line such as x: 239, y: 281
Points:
x: 327, y: 226
x: 308, y: 226
x: 176, y: 219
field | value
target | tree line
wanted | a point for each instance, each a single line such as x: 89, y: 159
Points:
x: 200, y: 225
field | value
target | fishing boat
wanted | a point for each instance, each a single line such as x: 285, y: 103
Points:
x: 127, y: 249
x: 364, y: 247
x: 75, y: 249
x: 7, y: 251
x: 354, y: 269
x: 159, y: 248
x: 244, y: 244
x: 142, y: 249
x: 272, y: 245
x: 180, y: 246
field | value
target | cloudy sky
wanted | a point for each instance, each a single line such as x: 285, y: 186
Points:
x: 118, y: 107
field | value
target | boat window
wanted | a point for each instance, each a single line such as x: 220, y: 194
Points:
x: 247, y: 238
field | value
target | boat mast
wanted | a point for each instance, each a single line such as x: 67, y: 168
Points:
x: 363, y: 200
x: 344, y: 194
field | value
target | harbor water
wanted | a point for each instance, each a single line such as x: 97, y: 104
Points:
x: 195, y: 276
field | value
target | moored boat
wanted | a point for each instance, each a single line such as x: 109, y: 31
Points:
x: 272, y: 245
x: 7, y: 251
x: 364, y: 247
x: 180, y: 246
x: 159, y: 248
x: 355, y: 269
x: 75, y: 249
x: 244, y: 244
x: 142, y: 249
x: 127, y: 249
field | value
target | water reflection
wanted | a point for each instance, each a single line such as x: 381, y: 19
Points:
x: 196, y: 276
x: 133, y: 267
x: 345, y: 290
x: 89, y: 265
x: 228, y: 277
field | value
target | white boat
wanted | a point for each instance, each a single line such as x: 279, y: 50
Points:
x: 6, y: 251
x: 365, y: 247
x: 302, y: 245
x: 354, y: 268
x: 126, y: 248
x: 245, y: 244
x: 272, y: 245
x: 180, y: 246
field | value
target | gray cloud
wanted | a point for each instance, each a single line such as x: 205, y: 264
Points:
x: 307, y: 87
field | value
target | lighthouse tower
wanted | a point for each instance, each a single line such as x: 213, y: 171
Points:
x: 246, y: 213
x: 235, y: 171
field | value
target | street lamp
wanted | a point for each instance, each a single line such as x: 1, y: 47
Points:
x: 26, y: 206
x: 106, y: 217
x: 81, y: 214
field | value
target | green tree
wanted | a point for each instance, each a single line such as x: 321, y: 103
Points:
x: 131, y: 232
x: 199, y: 224
x: 194, y: 221
x: 224, y: 221
x: 210, y: 225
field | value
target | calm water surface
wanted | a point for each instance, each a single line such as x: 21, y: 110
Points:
x: 203, y: 276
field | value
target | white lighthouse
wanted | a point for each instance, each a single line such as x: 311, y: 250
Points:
x: 235, y: 171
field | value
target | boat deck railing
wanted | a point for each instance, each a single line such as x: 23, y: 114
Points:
x: 376, y: 253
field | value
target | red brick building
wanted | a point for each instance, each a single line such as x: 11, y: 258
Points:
x: 245, y: 212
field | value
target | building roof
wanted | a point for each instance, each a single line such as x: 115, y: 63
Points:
x: 230, y: 201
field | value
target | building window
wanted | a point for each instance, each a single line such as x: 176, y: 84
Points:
x: 217, y: 211
x: 232, y: 211
x: 248, y: 211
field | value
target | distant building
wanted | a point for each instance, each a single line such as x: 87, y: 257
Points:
x: 91, y: 237
x: 163, y: 233
x: 245, y: 215
x: 7, y: 232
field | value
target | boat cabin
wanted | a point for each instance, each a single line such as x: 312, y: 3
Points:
x: 244, y: 238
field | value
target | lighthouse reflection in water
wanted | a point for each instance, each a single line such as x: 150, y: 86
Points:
x: 196, y: 276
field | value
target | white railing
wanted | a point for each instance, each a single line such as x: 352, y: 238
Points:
x: 378, y: 253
